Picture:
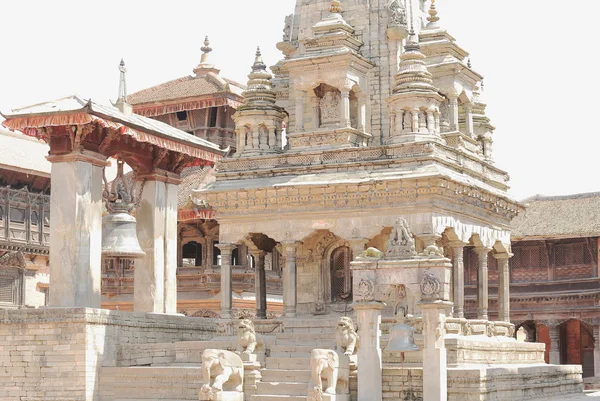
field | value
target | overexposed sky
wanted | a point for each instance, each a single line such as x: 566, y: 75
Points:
x: 538, y: 58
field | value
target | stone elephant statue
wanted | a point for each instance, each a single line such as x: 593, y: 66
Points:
x: 225, y: 368
x: 332, y: 366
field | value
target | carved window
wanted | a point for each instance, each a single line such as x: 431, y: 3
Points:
x: 11, y: 284
x: 212, y: 117
x: 529, y: 256
x: 17, y: 215
x: 341, y: 278
x: 573, y: 253
x: 34, y: 218
x: 182, y: 116
x: 191, y: 253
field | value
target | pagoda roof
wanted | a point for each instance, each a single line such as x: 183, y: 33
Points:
x: 569, y: 216
x: 23, y: 154
x: 187, y: 93
x: 74, y: 110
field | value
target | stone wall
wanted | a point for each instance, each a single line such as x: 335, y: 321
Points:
x: 55, y: 354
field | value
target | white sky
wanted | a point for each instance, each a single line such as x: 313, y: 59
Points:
x: 536, y: 55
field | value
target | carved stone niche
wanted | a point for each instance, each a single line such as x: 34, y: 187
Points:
x: 329, y: 106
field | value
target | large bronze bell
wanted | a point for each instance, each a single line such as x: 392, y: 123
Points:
x: 119, y: 236
x: 402, y: 339
x: 119, y: 232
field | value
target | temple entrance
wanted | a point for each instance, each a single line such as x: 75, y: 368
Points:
x: 341, y: 277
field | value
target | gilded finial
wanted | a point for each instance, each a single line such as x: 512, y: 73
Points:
x: 433, y: 17
x: 335, y: 7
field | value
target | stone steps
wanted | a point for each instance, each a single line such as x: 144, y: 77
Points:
x: 277, y: 398
x: 288, y: 363
x: 281, y: 388
x: 295, y: 351
x: 318, y: 339
x: 285, y: 375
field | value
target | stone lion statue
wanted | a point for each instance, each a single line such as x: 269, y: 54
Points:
x: 346, y: 337
x: 246, y: 337
x: 327, y: 364
x: 221, y: 370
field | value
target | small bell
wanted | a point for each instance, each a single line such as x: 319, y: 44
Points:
x: 119, y: 232
x: 402, y: 339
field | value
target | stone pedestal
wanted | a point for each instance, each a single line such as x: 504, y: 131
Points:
x: 76, y: 235
x: 369, y: 352
x: 435, y: 372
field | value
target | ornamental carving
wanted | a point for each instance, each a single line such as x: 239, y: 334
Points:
x: 365, y: 291
x: 13, y: 259
x: 401, y: 244
x: 430, y: 286
x: 397, y: 13
x: 287, y: 29
x: 330, y: 108
x: 407, y: 122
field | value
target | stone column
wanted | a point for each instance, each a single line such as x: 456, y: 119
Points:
x: 596, y: 350
x: 170, y: 248
x: 289, y: 279
x: 415, y: 121
x: 314, y: 101
x: 226, y: 290
x: 482, y: 283
x: 241, y: 135
x: 503, y: 286
x: 453, y: 113
x: 469, y: 119
x: 435, y: 377
x: 155, y: 276
x: 345, y: 108
x: 458, y: 267
x: 431, y: 122
x: 260, y: 284
x: 368, y: 315
x: 362, y: 112
x: 76, y: 235
x: 299, y: 126
x: 554, y: 334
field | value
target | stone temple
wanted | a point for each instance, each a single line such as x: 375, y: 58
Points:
x: 364, y: 162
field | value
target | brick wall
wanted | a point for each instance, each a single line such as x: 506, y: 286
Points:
x: 574, y: 342
x: 54, y: 354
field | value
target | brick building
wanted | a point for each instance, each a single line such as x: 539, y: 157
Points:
x: 554, y: 274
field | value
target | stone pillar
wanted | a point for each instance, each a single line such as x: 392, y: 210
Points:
x: 76, y: 235
x: 314, y: 101
x: 482, y: 283
x: 435, y: 376
x: 289, y: 279
x: 345, y: 108
x: 458, y: 267
x: 155, y: 276
x: 368, y: 315
x: 260, y: 285
x: 469, y: 119
x: 362, y: 112
x: 453, y: 114
x: 226, y: 291
x: 170, y: 248
x: 596, y: 351
x: 554, y: 334
x: 415, y: 121
x: 503, y: 286
x: 431, y: 122
x: 241, y: 136
x: 299, y: 126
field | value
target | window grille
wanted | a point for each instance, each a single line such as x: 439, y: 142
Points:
x: 529, y: 256
x: 573, y: 253
x: 11, y: 282
x: 341, y: 279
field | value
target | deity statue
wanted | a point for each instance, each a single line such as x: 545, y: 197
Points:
x: 330, y: 108
x: 407, y: 122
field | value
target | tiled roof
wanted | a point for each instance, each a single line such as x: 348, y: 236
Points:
x: 186, y: 87
x: 559, y: 217
x: 19, y: 152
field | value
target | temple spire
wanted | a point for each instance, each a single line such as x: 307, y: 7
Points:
x: 205, y: 67
x: 121, y: 103
x: 335, y: 7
